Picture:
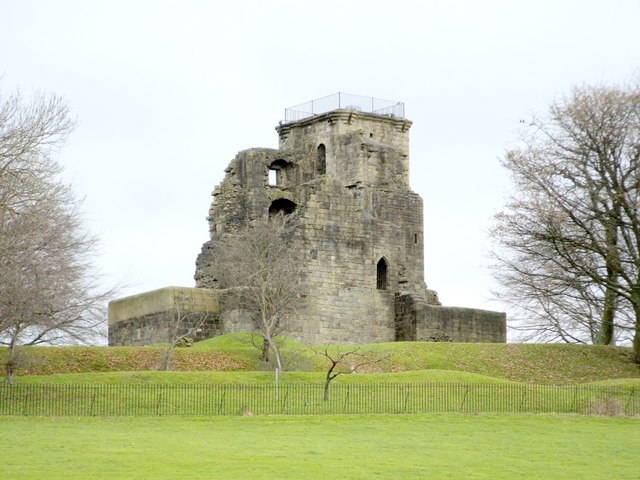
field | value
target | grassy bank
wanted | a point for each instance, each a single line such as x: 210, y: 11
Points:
x: 236, y: 354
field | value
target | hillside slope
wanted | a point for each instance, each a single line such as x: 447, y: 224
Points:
x: 550, y: 363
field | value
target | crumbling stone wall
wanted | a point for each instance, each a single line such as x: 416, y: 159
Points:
x: 158, y: 328
x: 472, y: 325
x: 406, y: 316
x: 417, y: 320
x: 152, y: 317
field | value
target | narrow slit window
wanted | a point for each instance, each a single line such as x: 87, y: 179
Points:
x: 381, y: 278
x: 322, y: 159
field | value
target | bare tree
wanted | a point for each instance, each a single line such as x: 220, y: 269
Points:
x: 551, y: 302
x: 344, y: 361
x: 48, y: 291
x: 260, y: 272
x: 186, y: 323
x: 568, y: 243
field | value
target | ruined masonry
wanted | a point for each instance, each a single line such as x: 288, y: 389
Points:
x: 342, y: 169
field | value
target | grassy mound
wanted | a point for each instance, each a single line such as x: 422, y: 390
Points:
x: 243, y: 377
x: 238, y: 356
x: 50, y: 360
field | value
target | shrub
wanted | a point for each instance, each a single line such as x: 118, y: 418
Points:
x: 606, y: 406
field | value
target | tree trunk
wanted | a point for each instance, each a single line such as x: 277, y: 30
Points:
x: 167, y: 359
x: 276, y: 354
x: 325, y: 396
x: 635, y: 300
x: 636, y: 335
x: 636, y: 343
x: 268, y: 345
x: 605, y: 333
x: 329, y: 377
x: 11, y: 362
x: 9, y: 370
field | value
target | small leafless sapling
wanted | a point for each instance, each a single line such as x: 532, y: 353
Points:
x: 344, y: 361
x: 185, y: 323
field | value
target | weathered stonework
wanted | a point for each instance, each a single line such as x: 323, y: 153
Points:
x: 151, y: 317
x: 343, y: 176
x: 418, y: 320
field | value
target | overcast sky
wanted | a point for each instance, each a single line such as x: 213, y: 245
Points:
x: 167, y: 92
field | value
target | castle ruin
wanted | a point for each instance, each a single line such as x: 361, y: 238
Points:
x: 342, y: 169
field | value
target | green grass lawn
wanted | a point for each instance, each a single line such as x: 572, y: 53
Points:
x: 435, y: 446
x: 321, y: 447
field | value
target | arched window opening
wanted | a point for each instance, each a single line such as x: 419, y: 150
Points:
x: 276, y: 172
x: 381, y: 278
x: 321, y: 166
x: 281, y: 205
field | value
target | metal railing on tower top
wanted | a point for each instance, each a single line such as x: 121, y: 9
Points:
x: 346, y: 101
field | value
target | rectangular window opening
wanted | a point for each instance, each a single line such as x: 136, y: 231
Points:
x: 273, y: 178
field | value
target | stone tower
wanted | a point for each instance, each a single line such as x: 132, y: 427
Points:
x: 342, y: 172
x: 342, y: 169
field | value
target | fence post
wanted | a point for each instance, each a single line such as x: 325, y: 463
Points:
x: 346, y: 399
x: 406, y: 398
x: 574, y: 403
x: 286, y: 398
x: 222, y: 398
x: 522, y: 399
x: 25, y: 403
x: 93, y: 401
x: 627, y: 406
x: 464, y: 398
